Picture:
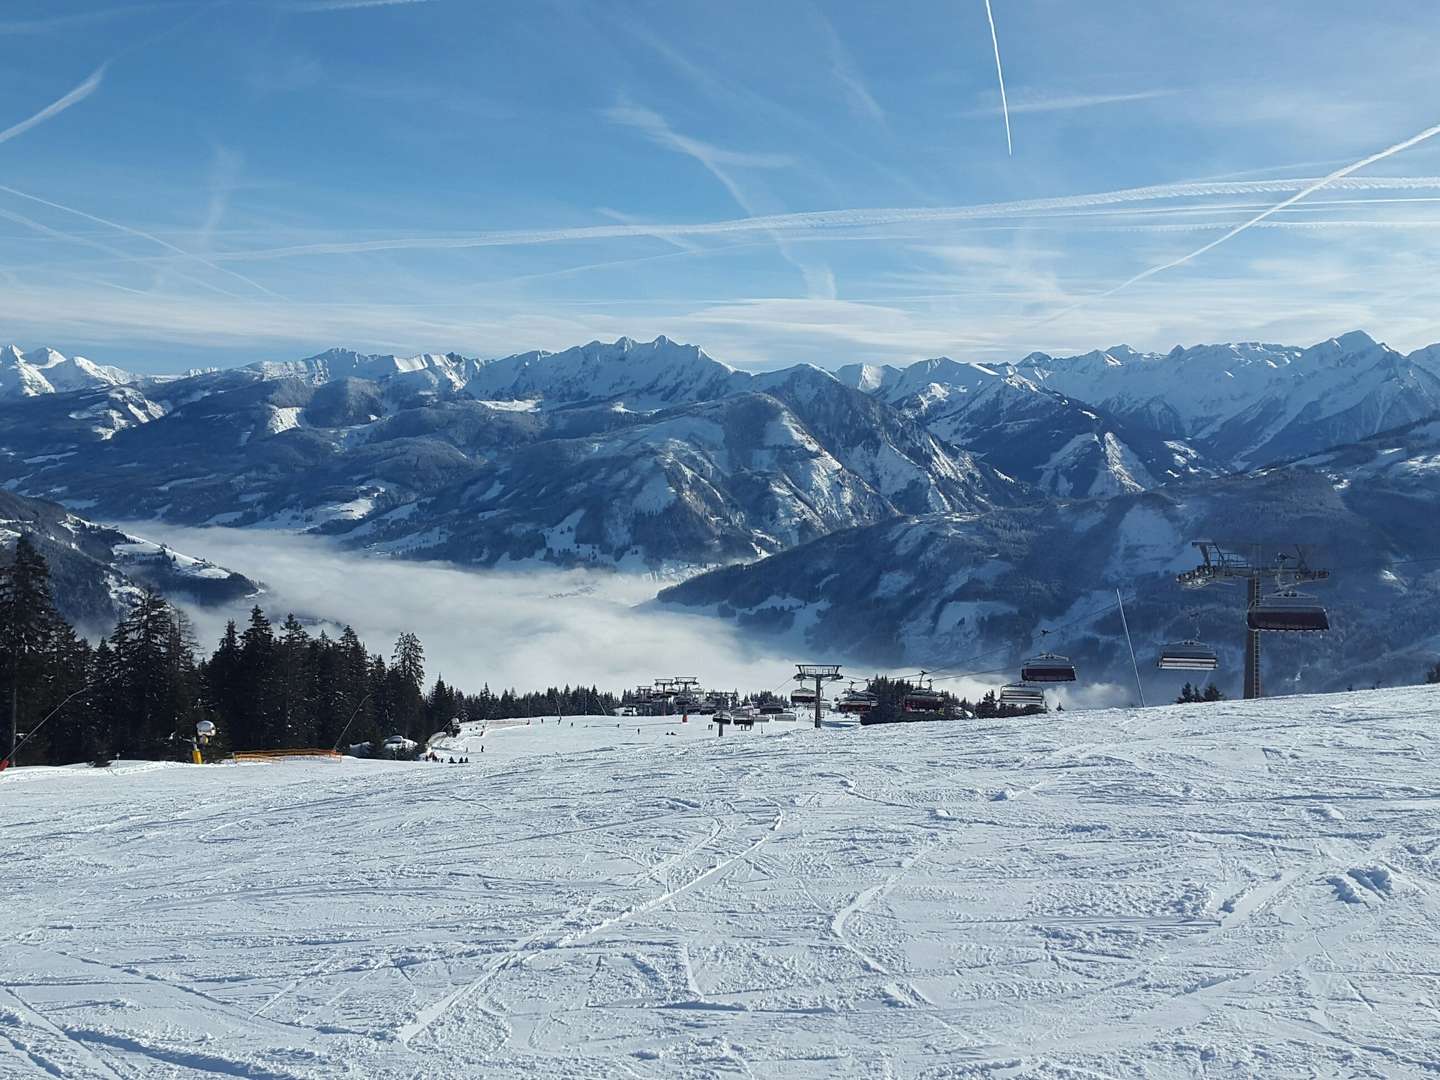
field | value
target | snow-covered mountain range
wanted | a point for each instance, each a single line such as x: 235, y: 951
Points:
x: 1119, y: 420
x: 858, y: 483
x: 625, y: 453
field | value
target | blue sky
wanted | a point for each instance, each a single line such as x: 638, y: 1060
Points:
x: 777, y: 182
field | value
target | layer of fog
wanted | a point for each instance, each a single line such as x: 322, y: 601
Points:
x: 526, y: 630
x: 515, y: 629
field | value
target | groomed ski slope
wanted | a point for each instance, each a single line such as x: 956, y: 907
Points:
x: 1240, y: 890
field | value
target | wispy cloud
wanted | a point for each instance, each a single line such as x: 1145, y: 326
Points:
x: 1067, y: 103
x: 819, y: 280
x: 96, y: 245
x: 51, y: 23
x: 55, y: 108
x: 224, y: 172
x: 1000, y: 74
x: 821, y: 221
x: 713, y: 157
x: 138, y: 233
x: 349, y: 5
x: 843, y: 67
x: 1308, y: 189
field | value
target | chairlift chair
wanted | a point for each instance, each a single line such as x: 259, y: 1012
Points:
x: 1022, y: 696
x: 854, y: 701
x: 1047, y: 668
x: 1187, y: 655
x: 926, y: 700
x: 1288, y: 610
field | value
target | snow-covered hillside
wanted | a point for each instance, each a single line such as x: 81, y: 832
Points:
x: 97, y: 572
x: 1221, y: 890
x: 975, y: 591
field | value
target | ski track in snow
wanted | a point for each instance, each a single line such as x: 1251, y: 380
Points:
x: 1236, y: 889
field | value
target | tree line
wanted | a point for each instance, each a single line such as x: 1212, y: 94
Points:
x: 140, y: 692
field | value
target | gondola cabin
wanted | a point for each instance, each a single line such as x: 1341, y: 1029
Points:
x: 1047, y: 668
x: 1187, y: 656
x: 1288, y: 611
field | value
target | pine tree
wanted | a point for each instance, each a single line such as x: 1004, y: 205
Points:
x: 354, y: 695
x: 144, y: 674
x: 29, y: 626
x: 224, y: 688
x: 257, y: 722
x: 294, y: 719
x: 406, y: 683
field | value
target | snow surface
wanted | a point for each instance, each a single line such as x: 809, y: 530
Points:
x: 1241, y: 889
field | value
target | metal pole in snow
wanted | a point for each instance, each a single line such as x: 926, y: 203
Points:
x: 1133, y: 663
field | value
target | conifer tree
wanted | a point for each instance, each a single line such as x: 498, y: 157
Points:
x: 145, y: 695
x: 29, y: 625
x: 294, y: 722
x: 257, y: 724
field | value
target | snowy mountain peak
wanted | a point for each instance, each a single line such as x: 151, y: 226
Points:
x: 48, y: 371
x: 639, y: 375
x: 1355, y: 341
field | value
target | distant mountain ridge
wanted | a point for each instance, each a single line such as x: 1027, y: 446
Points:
x: 638, y: 454
x: 909, y: 515
x: 656, y: 454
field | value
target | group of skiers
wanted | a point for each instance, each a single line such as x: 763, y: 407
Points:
x: 432, y: 756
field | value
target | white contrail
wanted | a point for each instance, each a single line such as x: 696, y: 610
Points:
x: 346, y: 5
x: 1000, y: 74
x: 74, y: 97
x: 122, y: 256
x: 141, y: 234
x: 1308, y: 189
x: 819, y: 221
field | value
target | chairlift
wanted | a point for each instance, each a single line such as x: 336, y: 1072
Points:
x: 923, y: 699
x: 1288, y: 610
x: 1189, y: 655
x: 1022, y: 697
x: 773, y: 712
x: 802, y: 696
x: 854, y: 701
x: 1047, y: 668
